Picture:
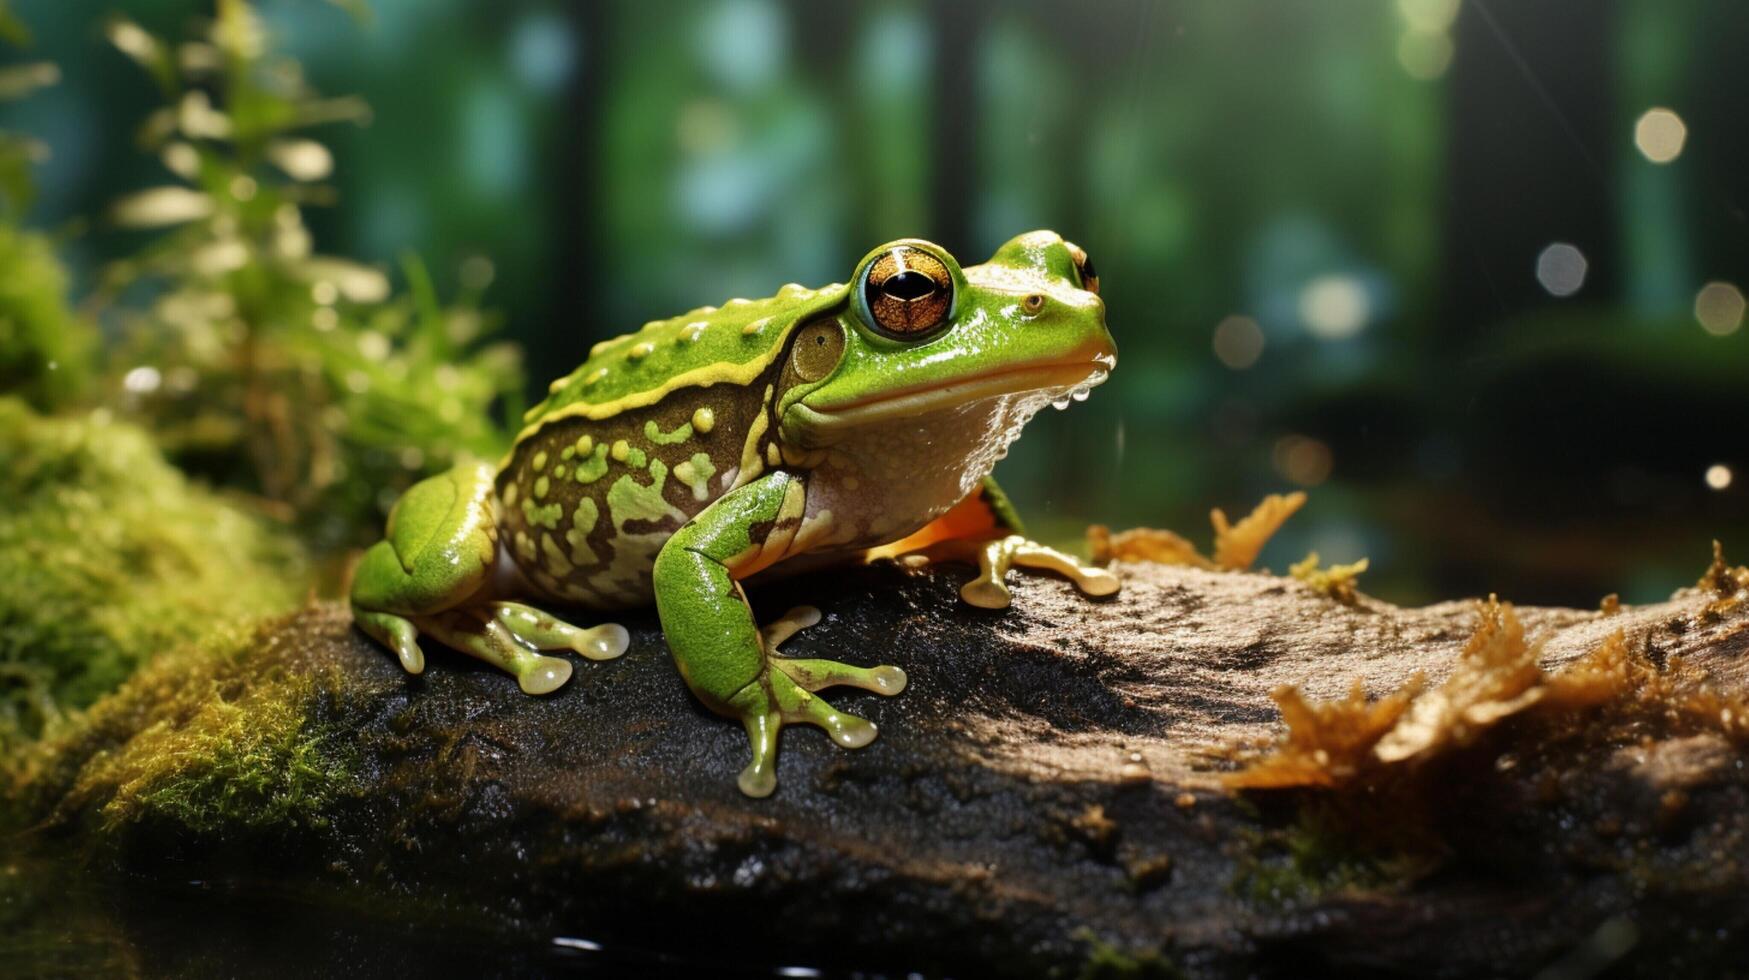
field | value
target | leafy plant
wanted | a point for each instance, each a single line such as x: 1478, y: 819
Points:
x: 301, y: 377
x: 45, y: 349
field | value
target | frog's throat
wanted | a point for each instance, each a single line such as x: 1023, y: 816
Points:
x: 1067, y: 377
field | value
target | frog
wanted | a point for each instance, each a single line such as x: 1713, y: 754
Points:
x: 700, y: 455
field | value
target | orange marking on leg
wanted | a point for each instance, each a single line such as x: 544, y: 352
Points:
x: 970, y: 519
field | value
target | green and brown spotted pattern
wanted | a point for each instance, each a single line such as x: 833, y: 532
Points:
x: 588, y: 503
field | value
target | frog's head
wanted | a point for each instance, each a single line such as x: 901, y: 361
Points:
x: 920, y: 336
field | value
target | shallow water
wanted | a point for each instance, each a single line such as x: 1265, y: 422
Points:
x: 59, y: 920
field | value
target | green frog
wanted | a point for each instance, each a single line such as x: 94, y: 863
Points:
x: 758, y: 438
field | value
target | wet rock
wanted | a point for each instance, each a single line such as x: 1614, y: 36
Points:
x: 1046, y: 796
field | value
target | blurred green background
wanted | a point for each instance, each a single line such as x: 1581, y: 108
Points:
x: 1470, y: 273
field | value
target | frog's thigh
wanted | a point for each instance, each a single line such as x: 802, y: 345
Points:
x: 438, y: 550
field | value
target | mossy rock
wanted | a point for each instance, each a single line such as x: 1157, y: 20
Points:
x: 1051, y: 796
x: 108, y: 557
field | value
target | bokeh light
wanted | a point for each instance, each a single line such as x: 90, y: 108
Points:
x: 1561, y: 269
x: 1423, y: 55
x: 1238, y: 342
x: 1303, y: 460
x: 1718, y: 476
x: 1428, y: 15
x: 1425, y: 48
x: 1719, y: 308
x: 1335, y: 307
x: 1660, y: 134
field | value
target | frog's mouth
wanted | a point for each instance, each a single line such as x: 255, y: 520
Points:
x: 1063, y: 380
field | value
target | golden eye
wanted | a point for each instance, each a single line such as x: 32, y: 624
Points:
x: 817, y: 349
x: 1033, y: 303
x: 1084, y: 266
x: 908, y: 292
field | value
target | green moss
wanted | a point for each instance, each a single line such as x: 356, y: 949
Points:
x: 257, y: 761
x: 1310, y: 859
x: 223, y: 734
x: 1107, y: 962
x: 109, y: 556
x: 45, y: 350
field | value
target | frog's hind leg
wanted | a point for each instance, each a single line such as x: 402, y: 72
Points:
x: 429, y: 575
x: 985, y: 530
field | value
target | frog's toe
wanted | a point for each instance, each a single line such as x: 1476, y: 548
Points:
x: 800, y: 706
x: 759, y: 779
x: 396, y: 633
x: 604, y: 642
x: 987, y: 592
x: 1089, y: 579
x: 544, y: 631
x: 848, y: 730
x: 815, y: 675
x: 788, y: 625
x: 543, y: 675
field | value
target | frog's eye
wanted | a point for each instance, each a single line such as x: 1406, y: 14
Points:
x: 1084, y: 266
x: 908, y: 292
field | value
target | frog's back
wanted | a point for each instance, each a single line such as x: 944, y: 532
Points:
x: 650, y: 430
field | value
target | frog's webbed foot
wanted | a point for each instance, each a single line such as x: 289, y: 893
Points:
x: 507, y: 635
x: 783, y: 694
x: 989, y: 589
x: 996, y: 556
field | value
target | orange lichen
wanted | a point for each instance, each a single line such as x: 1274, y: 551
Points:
x: 1729, y: 585
x: 1236, y: 546
x: 1337, y: 582
x: 1327, y: 742
x: 1496, y: 676
x: 1143, y: 544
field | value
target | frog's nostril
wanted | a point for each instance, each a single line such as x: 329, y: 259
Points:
x: 1033, y: 303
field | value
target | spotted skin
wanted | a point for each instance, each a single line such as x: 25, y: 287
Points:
x: 610, y: 511
x: 760, y: 438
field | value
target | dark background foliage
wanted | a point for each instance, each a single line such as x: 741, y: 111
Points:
x: 1319, y: 227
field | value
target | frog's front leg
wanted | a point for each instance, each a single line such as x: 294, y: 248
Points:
x: 729, y: 664
x: 429, y: 575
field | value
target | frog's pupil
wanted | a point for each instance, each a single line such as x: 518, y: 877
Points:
x: 1087, y: 270
x: 908, y: 285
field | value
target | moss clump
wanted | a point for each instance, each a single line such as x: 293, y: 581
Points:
x: 1315, y: 857
x: 108, y: 556
x: 216, y: 736
x: 1108, y: 962
x: 45, y: 350
x: 211, y: 757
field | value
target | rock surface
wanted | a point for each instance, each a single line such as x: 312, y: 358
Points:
x: 1045, y: 798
